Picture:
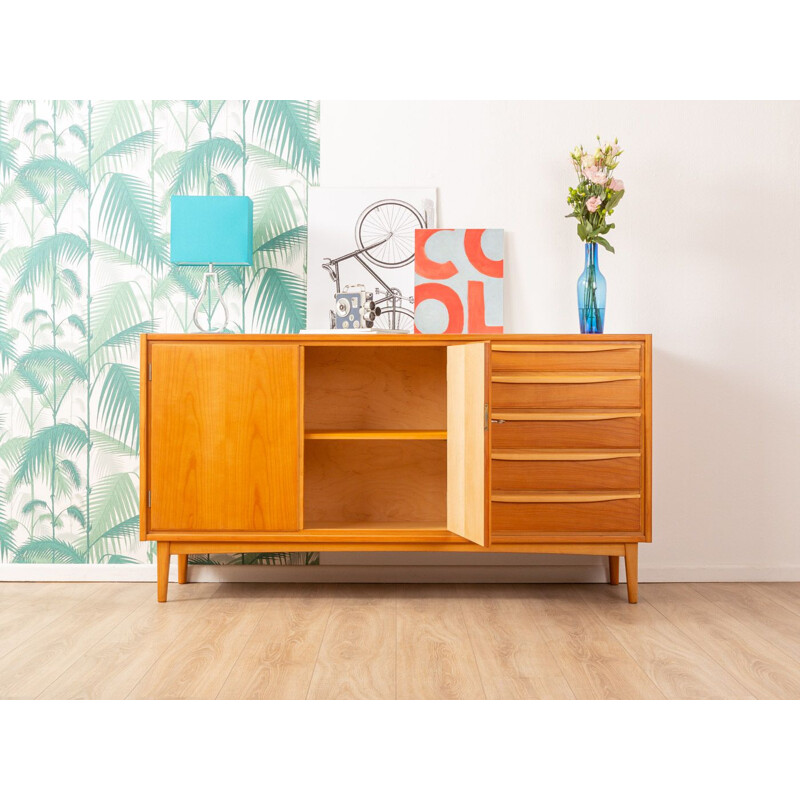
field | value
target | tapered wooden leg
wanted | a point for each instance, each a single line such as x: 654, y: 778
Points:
x: 613, y: 569
x: 632, y: 571
x: 162, y: 565
x: 183, y: 562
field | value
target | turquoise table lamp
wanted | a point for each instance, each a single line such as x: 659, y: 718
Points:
x: 209, y: 231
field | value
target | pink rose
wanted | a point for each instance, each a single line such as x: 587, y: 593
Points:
x: 616, y: 186
x: 593, y: 203
x: 595, y: 175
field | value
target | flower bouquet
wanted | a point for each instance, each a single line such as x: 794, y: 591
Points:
x: 592, y: 202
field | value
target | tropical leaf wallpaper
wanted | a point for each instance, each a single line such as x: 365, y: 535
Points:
x: 85, y: 190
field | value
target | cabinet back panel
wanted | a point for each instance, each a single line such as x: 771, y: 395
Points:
x: 618, y: 473
x: 623, y: 433
x: 364, y: 388
x: 365, y: 481
x: 224, y: 437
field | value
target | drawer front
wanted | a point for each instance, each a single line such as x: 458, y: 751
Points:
x: 606, y: 394
x: 611, y: 473
x: 624, y: 432
x: 532, y: 519
x: 566, y: 357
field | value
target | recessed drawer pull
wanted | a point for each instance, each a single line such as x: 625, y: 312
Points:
x: 562, y: 497
x: 563, y: 377
x: 560, y: 416
x: 561, y: 348
x: 562, y: 455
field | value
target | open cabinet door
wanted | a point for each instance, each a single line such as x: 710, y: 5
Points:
x: 466, y: 441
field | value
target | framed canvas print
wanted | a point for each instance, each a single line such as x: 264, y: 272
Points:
x: 459, y: 281
x: 361, y: 250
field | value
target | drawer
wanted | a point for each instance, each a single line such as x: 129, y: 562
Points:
x: 516, y: 470
x: 566, y: 390
x: 567, y: 357
x: 565, y: 430
x: 567, y: 513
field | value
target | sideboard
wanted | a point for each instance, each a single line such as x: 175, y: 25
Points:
x: 497, y: 443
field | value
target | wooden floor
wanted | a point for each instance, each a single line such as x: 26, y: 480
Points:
x: 262, y: 641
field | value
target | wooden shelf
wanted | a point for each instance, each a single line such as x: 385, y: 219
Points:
x: 522, y: 454
x: 562, y: 497
x: 516, y: 414
x: 372, y: 435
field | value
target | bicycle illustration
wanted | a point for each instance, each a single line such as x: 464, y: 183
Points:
x: 384, y: 236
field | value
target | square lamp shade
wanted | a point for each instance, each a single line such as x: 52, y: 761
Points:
x: 211, y: 230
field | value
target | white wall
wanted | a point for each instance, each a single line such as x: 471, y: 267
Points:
x: 707, y: 261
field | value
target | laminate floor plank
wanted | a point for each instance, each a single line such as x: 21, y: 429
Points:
x: 761, y: 667
x: 199, y: 661
x: 21, y: 621
x: 11, y: 593
x: 33, y: 665
x: 671, y: 660
x: 112, y: 640
x: 111, y: 668
x: 435, y: 659
x: 278, y: 660
x: 787, y: 594
x: 357, y: 658
x: 513, y: 658
x: 594, y: 663
x: 758, y: 612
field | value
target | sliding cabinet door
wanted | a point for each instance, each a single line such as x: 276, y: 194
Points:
x: 467, y: 435
x: 224, y: 443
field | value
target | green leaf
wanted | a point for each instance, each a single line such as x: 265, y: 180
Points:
x: 115, y: 503
x: 614, y: 200
x: 225, y: 184
x: 32, y: 505
x: 116, y: 310
x: 122, y: 535
x: 132, y: 146
x: 119, y: 403
x: 196, y: 165
x: 70, y: 472
x: 45, y: 255
x: 76, y: 322
x: 280, y: 303
x: 114, y: 122
x: 43, y: 360
x: 77, y: 514
x: 108, y: 444
x: 282, y: 246
x: 36, y: 458
x: 288, y: 128
x: 128, y: 219
x: 43, y: 170
x: 48, y: 550
x: 602, y: 241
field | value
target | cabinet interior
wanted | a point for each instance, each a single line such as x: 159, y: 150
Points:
x: 375, y: 437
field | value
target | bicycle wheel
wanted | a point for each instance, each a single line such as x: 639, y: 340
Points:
x: 394, y: 219
x: 395, y: 319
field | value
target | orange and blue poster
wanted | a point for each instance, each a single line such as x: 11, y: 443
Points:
x: 458, y: 280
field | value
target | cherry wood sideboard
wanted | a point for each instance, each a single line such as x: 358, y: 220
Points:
x: 502, y: 443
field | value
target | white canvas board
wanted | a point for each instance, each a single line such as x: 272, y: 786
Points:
x: 376, y: 226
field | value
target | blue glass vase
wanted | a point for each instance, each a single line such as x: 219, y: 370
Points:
x: 591, y: 293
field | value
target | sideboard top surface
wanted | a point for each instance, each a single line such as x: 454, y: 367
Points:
x: 388, y: 338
